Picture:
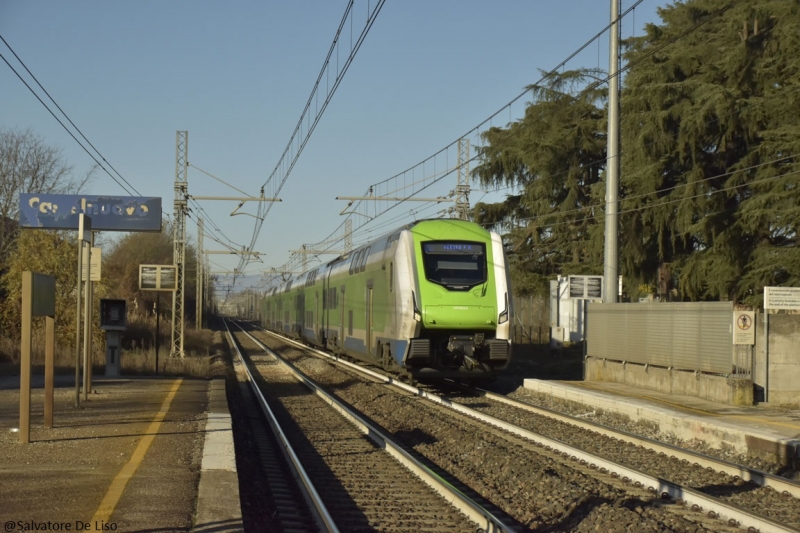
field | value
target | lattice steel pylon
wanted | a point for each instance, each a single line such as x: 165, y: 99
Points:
x: 348, y: 236
x: 179, y: 239
x: 462, y: 188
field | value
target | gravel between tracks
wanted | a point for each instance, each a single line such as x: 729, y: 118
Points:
x: 533, y: 486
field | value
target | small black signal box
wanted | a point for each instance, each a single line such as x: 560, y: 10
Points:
x: 113, y: 314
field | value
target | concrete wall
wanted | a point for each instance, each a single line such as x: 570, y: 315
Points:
x: 782, y: 385
x: 709, y: 387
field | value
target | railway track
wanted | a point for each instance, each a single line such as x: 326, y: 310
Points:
x: 656, y: 483
x: 354, y: 482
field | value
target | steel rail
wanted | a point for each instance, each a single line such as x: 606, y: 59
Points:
x: 763, y: 479
x: 321, y: 514
x: 474, y: 511
x: 694, y: 499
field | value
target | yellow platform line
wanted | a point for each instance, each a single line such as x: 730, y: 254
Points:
x: 114, y: 493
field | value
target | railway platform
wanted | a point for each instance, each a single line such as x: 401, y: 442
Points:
x: 142, y: 454
x: 769, y: 432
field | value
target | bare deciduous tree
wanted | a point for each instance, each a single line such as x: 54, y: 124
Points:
x: 28, y: 164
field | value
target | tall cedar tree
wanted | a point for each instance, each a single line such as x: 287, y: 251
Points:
x: 711, y: 139
x: 555, y: 155
x: 710, y: 142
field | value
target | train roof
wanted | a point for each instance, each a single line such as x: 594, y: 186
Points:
x: 384, y: 237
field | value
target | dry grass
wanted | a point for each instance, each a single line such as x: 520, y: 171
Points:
x: 138, y: 351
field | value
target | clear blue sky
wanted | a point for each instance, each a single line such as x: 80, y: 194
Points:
x: 236, y: 75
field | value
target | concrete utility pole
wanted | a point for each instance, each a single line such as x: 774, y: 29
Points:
x: 179, y: 238
x: 611, y: 253
x: 200, y: 276
x: 462, y: 188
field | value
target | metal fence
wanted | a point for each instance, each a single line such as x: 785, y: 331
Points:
x: 531, y: 320
x: 743, y: 361
x: 693, y: 336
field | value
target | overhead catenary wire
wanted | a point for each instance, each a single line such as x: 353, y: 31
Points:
x: 127, y: 187
x: 590, y: 87
x: 284, y: 166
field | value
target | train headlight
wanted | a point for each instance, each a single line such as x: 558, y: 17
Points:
x: 503, y: 318
x: 417, y: 312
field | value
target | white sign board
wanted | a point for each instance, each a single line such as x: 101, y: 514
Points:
x: 96, y: 262
x: 744, y: 327
x: 158, y: 277
x: 781, y: 297
x: 585, y: 287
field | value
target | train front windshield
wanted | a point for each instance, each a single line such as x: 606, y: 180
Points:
x: 456, y: 265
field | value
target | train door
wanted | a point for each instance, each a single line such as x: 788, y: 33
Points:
x: 316, y: 325
x: 327, y: 306
x: 341, y: 320
x: 369, y: 318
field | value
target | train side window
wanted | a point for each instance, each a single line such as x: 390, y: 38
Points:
x: 354, y: 263
x: 350, y: 322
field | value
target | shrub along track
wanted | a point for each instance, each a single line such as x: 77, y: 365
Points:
x: 537, y: 487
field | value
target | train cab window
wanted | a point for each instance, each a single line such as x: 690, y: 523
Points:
x: 455, y: 265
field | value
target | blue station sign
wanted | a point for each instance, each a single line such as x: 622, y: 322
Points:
x: 108, y: 213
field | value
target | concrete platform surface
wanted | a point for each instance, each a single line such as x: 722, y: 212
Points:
x: 771, y: 432
x: 131, y: 458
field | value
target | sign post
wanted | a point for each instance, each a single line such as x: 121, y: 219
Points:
x: 84, y: 235
x: 585, y: 288
x: 158, y: 278
x: 38, y: 299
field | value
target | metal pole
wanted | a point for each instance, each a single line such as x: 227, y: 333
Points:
x: 78, y: 321
x: 766, y: 355
x: 611, y: 259
x: 87, y: 323
x: 89, y: 314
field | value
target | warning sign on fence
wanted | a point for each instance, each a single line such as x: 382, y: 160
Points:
x: 744, y: 327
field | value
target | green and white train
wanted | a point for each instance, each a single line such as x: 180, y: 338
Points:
x: 429, y: 300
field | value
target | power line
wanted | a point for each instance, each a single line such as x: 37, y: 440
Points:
x: 590, y: 87
x: 286, y: 167
x: 68, y: 119
x: 660, y: 201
